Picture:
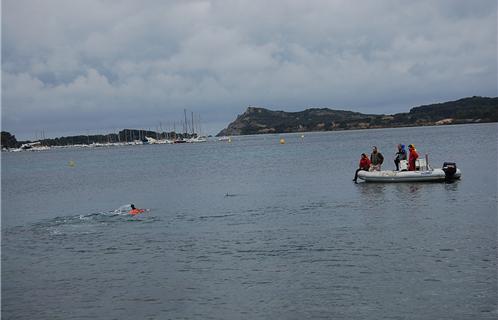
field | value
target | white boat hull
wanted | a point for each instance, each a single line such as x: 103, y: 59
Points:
x: 435, y: 175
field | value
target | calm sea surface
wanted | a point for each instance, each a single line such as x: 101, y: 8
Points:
x: 251, y: 230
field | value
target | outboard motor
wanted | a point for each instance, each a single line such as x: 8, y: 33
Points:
x: 449, y: 169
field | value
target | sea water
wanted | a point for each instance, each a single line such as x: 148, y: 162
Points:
x: 252, y: 229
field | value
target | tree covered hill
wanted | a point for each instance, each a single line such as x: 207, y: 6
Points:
x: 260, y: 120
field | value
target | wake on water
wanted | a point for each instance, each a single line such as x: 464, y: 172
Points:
x: 88, y: 223
x: 124, y: 209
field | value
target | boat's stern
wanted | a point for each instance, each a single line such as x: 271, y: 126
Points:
x: 451, y: 171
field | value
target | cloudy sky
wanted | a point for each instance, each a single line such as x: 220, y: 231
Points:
x: 82, y: 66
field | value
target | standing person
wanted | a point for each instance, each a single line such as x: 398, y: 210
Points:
x: 376, y: 159
x: 400, y: 155
x: 413, y: 157
x: 364, y: 165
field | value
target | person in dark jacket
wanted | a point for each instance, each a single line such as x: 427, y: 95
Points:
x: 400, y: 155
x: 376, y: 159
x: 364, y: 165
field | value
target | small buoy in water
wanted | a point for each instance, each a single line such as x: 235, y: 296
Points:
x: 229, y: 140
x: 282, y: 141
x: 72, y: 164
x: 302, y: 136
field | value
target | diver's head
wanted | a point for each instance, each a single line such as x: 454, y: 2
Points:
x: 132, y: 206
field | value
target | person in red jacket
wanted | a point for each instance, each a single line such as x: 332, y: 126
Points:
x: 413, y: 156
x: 135, y: 211
x: 363, y: 165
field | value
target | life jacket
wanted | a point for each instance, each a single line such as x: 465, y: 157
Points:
x: 413, y: 155
x: 136, y: 211
x: 364, y: 163
x: 413, y: 158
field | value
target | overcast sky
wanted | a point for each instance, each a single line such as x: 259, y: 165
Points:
x: 72, y: 67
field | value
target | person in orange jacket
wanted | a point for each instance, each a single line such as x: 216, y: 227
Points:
x: 135, y: 211
x: 363, y: 165
x: 413, y: 156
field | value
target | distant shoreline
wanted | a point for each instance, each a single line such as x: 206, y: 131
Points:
x: 214, y: 139
x: 256, y: 120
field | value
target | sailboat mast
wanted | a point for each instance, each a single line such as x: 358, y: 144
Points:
x: 193, y: 124
x: 199, y: 124
x: 185, y: 124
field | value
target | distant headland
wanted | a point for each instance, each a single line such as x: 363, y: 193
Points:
x: 260, y: 120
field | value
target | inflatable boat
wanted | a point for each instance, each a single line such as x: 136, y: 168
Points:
x: 424, y: 173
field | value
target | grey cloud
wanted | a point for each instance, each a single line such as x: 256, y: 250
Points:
x: 101, y: 64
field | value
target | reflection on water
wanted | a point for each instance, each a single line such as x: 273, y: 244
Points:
x: 408, y: 188
x: 384, y: 192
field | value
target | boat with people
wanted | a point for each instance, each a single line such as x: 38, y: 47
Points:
x: 422, y: 173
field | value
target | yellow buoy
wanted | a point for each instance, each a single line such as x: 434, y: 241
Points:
x: 72, y: 164
x: 282, y: 141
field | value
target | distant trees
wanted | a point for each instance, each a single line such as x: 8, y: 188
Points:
x: 476, y: 108
x: 9, y: 141
x: 260, y: 120
x: 126, y: 135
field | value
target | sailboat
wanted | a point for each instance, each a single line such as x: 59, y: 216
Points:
x: 196, y: 138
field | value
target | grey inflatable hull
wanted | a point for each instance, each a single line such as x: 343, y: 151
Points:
x: 435, y: 175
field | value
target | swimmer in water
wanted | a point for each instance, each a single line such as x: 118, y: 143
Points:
x: 135, y: 211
